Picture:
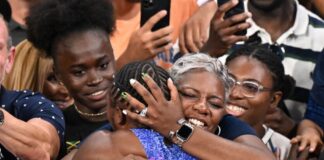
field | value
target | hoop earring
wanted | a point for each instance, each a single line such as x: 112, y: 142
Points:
x: 219, y: 129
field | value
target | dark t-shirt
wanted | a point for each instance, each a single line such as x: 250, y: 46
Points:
x: 26, y: 105
x: 77, y: 128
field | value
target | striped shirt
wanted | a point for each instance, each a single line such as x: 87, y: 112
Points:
x: 302, y: 44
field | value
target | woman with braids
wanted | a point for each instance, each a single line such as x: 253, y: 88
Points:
x: 203, y: 114
x: 75, y: 34
x: 259, y: 84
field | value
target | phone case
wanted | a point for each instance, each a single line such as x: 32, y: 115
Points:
x: 151, y: 7
x: 239, y: 8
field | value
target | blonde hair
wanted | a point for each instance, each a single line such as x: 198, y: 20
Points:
x: 30, y: 69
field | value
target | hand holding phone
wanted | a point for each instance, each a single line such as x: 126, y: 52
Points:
x: 151, y: 7
x: 239, y: 8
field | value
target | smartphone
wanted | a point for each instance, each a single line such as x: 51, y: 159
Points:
x: 239, y: 8
x: 151, y: 7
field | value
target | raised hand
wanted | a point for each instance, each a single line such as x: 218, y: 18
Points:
x: 162, y: 114
x: 194, y: 33
x: 221, y: 35
x: 145, y: 44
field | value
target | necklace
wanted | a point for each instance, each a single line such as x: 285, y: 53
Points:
x: 89, y: 114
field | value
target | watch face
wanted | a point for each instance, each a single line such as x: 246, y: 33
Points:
x: 1, y: 117
x: 184, y: 132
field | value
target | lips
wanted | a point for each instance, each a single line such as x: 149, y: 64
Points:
x: 235, y: 110
x: 97, y: 95
x: 198, y: 123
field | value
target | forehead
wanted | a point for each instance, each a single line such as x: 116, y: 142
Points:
x: 202, y: 81
x: 84, y: 44
x: 244, y: 67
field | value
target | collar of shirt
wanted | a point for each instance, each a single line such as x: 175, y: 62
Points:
x: 299, y: 28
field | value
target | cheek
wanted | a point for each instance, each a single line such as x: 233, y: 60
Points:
x: 50, y: 89
x: 217, y: 115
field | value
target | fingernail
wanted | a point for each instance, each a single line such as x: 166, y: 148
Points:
x: 170, y: 80
x: 124, y: 112
x: 311, y: 149
x: 132, y: 81
x: 249, y: 14
x: 123, y: 95
x: 144, y: 75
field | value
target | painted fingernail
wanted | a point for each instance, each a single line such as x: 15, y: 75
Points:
x: 124, y: 112
x: 144, y: 75
x: 123, y: 95
x: 170, y: 80
x: 132, y: 81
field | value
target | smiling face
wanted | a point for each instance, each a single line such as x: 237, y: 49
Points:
x: 251, y: 110
x: 203, y: 103
x: 85, y: 64
x: 55, y: 91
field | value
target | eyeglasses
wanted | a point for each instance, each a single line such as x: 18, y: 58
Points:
x: 248, y: 88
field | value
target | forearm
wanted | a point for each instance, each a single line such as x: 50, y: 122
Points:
x: 205, y: 145
x: 29, y: 140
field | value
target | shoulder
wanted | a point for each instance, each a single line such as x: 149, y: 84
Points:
x: 114, y: 145
x: 232, y: 127
x: 99, y: 144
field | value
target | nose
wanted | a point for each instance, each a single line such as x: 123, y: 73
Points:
x: 95, y: 78
x: 236, y: 92
x: 201, y: 107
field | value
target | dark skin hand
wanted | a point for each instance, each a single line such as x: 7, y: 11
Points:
x: 201, y: 143
x: 194, y: 35
x: 221, y: 36
x: 145, y: 44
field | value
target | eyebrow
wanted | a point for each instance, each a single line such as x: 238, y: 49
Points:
x: 212, y: 96
x: 248, y: 79
x: 97, y: 61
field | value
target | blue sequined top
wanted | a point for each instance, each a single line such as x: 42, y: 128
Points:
x: 155, y: 147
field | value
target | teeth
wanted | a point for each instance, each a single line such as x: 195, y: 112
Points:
x: 97, y: 93
x: 235, y: 108
x: 196, y: 122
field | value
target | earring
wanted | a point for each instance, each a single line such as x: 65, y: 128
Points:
x: 219, y: 130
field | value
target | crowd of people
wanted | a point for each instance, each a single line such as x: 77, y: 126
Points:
x: 85, y: 79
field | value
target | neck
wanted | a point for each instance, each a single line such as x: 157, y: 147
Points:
x: 20, y: 10
x: 276, y: 21
x: 91, y: 115
x: 125, y: 9
x: 259, y: 130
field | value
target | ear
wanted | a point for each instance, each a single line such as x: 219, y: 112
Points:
x: 57, y: 75
x: 276, y: 97
x: 10, y: 60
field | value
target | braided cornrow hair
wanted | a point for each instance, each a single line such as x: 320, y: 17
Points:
x: 134, y: 70
x: 262, y: 53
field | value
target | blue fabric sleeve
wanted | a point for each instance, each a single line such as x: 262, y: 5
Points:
x: 30, y: 105
x: 232, y: 127
x: 315, y: 112
x: 317, y: 92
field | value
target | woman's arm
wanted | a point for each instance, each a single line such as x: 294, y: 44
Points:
x: 163, y: 115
